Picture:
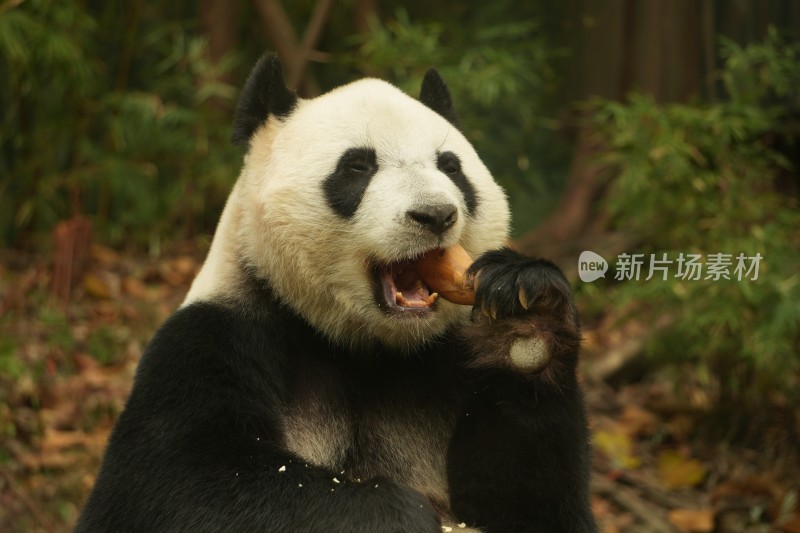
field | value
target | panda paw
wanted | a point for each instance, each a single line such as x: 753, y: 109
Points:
x: 524, y: 314
x: 512, y: 285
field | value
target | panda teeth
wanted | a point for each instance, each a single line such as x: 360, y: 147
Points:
x: 401, y: 300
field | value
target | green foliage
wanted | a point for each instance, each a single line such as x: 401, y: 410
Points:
x: 503, y: 82
x: 708, y: 179
x: 103, y: 345
x: 764, y: 73
x: 89, y: 125
x: 113, y: 109
x: 10, y: 366
x: 56, y: 328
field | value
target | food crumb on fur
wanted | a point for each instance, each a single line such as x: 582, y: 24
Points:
x: 282, y: 469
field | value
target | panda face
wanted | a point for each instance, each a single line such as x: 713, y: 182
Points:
x: 345, y: 193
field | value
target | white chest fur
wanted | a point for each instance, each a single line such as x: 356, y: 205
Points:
x: 380, y: 433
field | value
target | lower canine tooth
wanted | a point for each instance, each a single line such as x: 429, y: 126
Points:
x: 430, y: 300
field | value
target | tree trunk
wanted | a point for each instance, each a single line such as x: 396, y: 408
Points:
x: 218, y: 20
x: 293, y: 53
x: 621, y: 45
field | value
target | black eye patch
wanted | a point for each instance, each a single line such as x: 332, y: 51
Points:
x: 450, y: 165
x: 345, y: 187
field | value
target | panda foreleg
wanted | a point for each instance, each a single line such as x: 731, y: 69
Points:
x: 230, y: 487
x: 308, y: 499
x: 519, y: 457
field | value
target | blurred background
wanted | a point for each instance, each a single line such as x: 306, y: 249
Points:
x: 616, y: 126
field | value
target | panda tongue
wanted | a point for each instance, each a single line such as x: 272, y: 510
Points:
x: 411, y: 291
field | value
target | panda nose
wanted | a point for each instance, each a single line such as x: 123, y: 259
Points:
x: 436, y: 218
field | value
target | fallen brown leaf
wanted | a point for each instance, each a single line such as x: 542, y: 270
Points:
x: 134, y: 287
x: 96, y: 286
x: 52, y: 460
x: 185, y: 265
x: 105, y: 312
x: 753, y: 488
x: 602, y: 509
x: 178, y: 270
x: 84, y: 361
x: 618, y: 447
x: 791, y: 525
x: 636, y: 421
x: 103, y: 254
x: 54, y: 440
x: 693, y: 520
x: 675, y: 470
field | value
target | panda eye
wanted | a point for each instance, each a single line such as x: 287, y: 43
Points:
x: 451, y: 167
x: 449, y: 163
x: 358, y: 161
x: 359, y: 167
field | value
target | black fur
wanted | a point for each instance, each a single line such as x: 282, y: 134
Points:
x: 345, y: 187
x: 201, y: 442
x: 264, y: 94
x: 199, y: 446
x: 435, y: 94
x: 450, y: 165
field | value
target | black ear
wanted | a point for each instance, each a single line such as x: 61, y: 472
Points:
x: 264, y: 94
x: 436, y: 95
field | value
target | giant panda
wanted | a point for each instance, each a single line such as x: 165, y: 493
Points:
x: 293, y: 392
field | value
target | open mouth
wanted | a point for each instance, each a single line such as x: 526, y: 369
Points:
x: 400, y: 288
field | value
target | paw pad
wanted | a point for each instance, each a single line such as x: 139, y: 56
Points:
x: 529, y: 353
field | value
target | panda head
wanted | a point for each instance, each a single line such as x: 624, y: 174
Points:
x: 339, y: 195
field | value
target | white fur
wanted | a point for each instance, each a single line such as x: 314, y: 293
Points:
x: 277, y: 218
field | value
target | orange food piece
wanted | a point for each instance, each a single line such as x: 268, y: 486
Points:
x: 445, y: 272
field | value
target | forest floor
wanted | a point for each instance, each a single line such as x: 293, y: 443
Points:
x: 66, y: 371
